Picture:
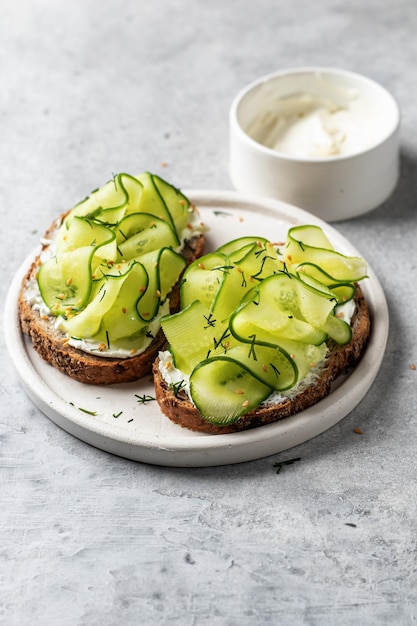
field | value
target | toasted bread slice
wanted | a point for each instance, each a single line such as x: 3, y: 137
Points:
x: 85, y: 367
x: 182, y: 411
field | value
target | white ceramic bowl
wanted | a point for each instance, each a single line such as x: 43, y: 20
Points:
x: 323, y: 139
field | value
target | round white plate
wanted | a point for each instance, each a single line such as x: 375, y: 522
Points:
x: 121, y: 419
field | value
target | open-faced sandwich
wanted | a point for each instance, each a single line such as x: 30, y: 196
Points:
x: 241, y: 337
x: 262, y: 333
x: 92, y: 300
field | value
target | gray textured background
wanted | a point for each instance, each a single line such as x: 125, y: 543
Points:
x: 93, y: 87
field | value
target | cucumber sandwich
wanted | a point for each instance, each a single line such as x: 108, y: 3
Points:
x: 108, y: 269
x: 263, y: 331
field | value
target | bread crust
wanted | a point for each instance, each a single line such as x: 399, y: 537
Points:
x: 52, y: 346
x: 340, y: 358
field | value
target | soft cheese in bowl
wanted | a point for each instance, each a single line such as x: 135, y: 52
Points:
x: 324, y: 139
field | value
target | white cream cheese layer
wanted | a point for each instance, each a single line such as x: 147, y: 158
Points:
x: 171, y: 374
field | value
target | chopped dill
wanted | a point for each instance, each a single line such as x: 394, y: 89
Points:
x: 176, y: 387
x: 224, y: 213
x: 280, y: 464
x: 143, y: 399
x: 80, y: 408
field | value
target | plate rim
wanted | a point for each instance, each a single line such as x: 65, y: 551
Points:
x: 209, y: 450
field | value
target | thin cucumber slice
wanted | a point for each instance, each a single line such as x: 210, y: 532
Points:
x: 67, y: 284
x: 260, y: 261
x: 310, y: 244
x: 339, y: 330
x: 342, y: 291
x: 109, y: 195
x: 203, y: 279
x: 223, y: 390
x: 232, y: 290
x: 275, y: 311
x: 83, y: 232
x: 122, y: 326
x: 151, y: 200
x: 193, y: 334
x: 65, y: 280
x: 139, y: 233
x: 110, y: 203
x: 87, y: 323
x: 178, y: 204
x: 236, y: 245
x: 170, y: 266
x: 273, y: 366
x: 163, y: 268
x: 221, y: 283
x: 305, y: 356
x: 315, y: 304
x: 132, y: 190
x: 122, y: 318
x: 309, y: 235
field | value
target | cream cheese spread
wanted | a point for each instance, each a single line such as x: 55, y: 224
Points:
x: 305, y: 126
x: 171, y: 374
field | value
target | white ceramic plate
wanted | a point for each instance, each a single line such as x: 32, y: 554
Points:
x: 124, y: 425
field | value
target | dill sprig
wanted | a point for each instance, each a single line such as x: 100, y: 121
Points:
x: 176, y: 387
x: 80, y: 408
x: 280, y: 464
x: 144, y: 398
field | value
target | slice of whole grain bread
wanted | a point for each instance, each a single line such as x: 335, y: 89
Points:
x: 85, y: 367
x: 182, y: 411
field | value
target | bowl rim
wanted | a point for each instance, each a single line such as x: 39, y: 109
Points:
x: 236, y: 127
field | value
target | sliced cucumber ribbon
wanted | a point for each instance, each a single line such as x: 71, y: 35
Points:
x: 116, y: 259
x: 254, y: 320
x: 309, y: 246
